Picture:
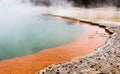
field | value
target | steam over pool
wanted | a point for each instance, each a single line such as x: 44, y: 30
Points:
x: 23, y: 31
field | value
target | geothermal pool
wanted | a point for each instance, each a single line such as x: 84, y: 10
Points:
x: 29, y: 42
x: 23, y: 33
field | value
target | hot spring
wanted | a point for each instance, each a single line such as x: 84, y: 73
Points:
x: 24, y: 31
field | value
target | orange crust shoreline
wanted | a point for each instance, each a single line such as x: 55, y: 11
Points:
x: 92, y: 38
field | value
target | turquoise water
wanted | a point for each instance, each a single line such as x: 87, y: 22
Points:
x: 26, y: 32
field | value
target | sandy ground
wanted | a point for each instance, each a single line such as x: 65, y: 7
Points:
x: 93, y: 38
x: 91, y: 14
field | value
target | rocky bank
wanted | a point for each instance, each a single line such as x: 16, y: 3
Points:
x: 104, y: 60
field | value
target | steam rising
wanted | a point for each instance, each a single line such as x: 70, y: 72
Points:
x: 24, y: 31
x: 21, y: 25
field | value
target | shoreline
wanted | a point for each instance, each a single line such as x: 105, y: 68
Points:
x: 34, y: 62
x: 104, y: 60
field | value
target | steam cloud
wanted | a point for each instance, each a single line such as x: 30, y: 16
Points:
x: 15, y: 10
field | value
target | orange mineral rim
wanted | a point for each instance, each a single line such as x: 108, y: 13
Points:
x: 92, y: 38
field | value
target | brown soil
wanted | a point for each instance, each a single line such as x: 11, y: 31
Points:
x: 92, y: 38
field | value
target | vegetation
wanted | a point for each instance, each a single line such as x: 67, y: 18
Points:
x: 83, y: 3
x: 94, y: 3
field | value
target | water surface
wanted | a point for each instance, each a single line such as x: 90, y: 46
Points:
x: 25, y: 32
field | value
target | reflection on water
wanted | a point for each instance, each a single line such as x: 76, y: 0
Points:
x: 22, y: 33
